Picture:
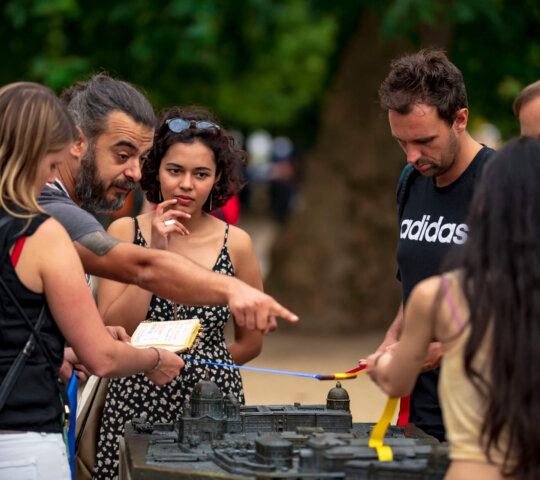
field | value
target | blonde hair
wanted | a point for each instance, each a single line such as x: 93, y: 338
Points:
x: 33, y: 123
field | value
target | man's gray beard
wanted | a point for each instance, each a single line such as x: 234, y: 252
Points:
x: 91, y: 191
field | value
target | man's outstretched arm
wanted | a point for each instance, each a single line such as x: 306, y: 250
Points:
x: 175, y: 277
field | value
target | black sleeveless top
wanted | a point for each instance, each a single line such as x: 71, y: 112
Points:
x: 34, y: 403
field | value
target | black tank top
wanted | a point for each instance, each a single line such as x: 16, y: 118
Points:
x: 34, y: 403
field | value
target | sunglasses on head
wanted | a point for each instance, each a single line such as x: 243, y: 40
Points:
x: 178, y: 125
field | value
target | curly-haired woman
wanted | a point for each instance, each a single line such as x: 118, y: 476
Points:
x: 194, y: 168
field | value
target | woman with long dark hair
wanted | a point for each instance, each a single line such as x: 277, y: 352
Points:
x: 45, y: 298
x: 486, y: 313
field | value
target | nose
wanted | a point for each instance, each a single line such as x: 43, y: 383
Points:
x: 186, y: 182
x: 133, y: 170
x: 413, y: 153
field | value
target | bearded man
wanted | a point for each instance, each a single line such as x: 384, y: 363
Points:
x: 424, y: 95
x: 116, y: 130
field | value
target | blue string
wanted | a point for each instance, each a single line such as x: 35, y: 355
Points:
x: 267, y: 370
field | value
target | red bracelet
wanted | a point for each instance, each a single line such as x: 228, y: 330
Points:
x: 158, y: 364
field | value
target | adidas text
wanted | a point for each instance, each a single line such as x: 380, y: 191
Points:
x: 426, y: 231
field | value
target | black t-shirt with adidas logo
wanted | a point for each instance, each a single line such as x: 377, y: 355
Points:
x: 433, y: 222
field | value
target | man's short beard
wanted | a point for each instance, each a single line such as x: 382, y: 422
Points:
x: 91, y: 190
x: 449, y: 156
x: 446, y: 160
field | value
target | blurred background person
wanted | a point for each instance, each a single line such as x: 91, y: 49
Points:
x: 527, y: 110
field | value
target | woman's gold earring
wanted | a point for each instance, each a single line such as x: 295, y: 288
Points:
x: 160, y: 196
x: 210, y: 205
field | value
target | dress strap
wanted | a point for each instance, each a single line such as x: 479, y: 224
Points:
x: 450, y: 300
x: 226, y: 234
x: 137, y: 229
x: 17, y: 250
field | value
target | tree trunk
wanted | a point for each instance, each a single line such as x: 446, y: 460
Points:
x: 334, y: 264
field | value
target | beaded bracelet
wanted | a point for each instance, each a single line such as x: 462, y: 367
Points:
x: 158, y: 364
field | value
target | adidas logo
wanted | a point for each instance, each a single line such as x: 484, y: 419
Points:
x: 424, y: 231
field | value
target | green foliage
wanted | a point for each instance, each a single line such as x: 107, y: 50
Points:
x: 262, y: 63
x: 499, y: 54
x: 256, y: 63
x: 36, y: 42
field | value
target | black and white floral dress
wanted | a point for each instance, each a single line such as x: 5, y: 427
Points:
x: 134, y: 396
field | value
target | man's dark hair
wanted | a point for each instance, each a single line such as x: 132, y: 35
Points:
x: 91, y: 102
x: 426, y: 77
x: 229, y: 157
x: 530, y: 92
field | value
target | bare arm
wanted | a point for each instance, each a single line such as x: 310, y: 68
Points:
x: 392, y: 337
x: 395, y: 372
x: 392, y: 334
x: 175, y: 277
x: 394, y: 331
x: 57, y: 271
x: 247, y: 343
x: 72, y: 364
x: 118, y: 303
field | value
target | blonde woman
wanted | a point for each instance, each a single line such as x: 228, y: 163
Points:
x: 44, y: 291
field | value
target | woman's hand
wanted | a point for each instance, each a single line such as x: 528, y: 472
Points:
x: 166, y: 221
x: 71, y: 364
x: 167, y: 367
x: 118, y: 333
x: 377, y: 359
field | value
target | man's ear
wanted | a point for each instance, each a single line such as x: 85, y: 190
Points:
x: 80, y: 146
x: 460, y: 122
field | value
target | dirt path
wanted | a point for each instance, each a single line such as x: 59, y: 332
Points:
x: 307, y: 353
x: 314, y: 354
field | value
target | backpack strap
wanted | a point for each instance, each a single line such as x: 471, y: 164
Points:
x: 17, y: 249
x: 4, y: 218
x: 407, y: 175
x: 24, y: 354
x: 16, y: 367
x: 34, y: 338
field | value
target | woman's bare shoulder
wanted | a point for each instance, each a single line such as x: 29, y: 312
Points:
x: 123, y: 228
x: 427, y: 290
x: 239, y: 239
x: 51, y: 229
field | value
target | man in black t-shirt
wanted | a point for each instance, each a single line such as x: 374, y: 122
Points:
x: 426, y: 101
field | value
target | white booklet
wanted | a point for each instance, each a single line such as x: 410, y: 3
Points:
x: 174, y: 335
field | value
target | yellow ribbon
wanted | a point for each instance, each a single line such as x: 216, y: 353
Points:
x: 345, y: 376
x: 376, y: 438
